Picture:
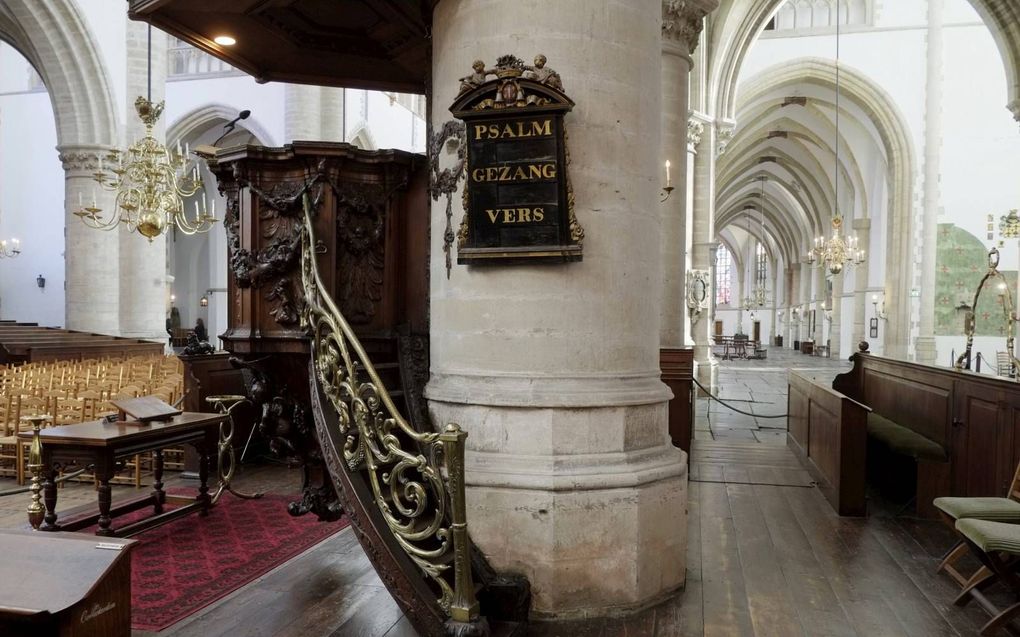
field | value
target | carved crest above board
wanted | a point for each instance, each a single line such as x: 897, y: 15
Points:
x: 518, y: 201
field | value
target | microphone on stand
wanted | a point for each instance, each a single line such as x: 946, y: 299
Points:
x: 229, y: 126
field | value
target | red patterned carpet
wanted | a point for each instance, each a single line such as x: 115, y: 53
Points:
x: 182, y: 567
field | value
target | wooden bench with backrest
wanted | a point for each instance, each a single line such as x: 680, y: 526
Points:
x: 957, y: 427
x: 827, y: 432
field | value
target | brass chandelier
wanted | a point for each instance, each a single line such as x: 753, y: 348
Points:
x: 151, y: 183
x: 10, y: 251
x: 837, y: 251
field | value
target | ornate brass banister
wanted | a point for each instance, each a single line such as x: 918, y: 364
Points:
x: 424, y: 512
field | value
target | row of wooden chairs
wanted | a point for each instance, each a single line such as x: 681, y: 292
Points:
x: 78, y: 391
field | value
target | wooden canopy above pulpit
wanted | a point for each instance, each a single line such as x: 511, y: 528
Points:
x: 367, y: 44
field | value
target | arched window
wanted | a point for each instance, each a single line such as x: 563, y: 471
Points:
x: 761, y: 262
x: 723, y: 275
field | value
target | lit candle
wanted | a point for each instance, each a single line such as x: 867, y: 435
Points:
x: 668, y: 181
x: 187, y: 148
x: 214, y: 208
x: 94, y: 198
x: 196, y: 210
x: 874, y: 298
x: 81, y: 204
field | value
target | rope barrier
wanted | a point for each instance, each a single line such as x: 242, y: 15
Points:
x: 729, y: 406
x: 58, y: 481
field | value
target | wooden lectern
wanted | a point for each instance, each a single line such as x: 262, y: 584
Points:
x: 64, y: 584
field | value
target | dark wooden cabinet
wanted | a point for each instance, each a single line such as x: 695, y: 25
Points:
x: 677, y: 368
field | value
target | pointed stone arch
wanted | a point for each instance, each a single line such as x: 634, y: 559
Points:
x: 204, y: 117
x: 737, y: 26
x: 55, y: 39
x: 894, y: 134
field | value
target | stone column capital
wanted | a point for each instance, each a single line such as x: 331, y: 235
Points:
x: 723, y: 135
x: 695, y: 129
x: 81, y: 159
x: 683, y: 20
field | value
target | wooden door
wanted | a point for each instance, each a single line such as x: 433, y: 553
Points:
x: 757, y: 331
x: 718, y: 330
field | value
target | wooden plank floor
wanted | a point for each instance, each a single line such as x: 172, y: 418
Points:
x: 763, y: 560
x: 768, y: 560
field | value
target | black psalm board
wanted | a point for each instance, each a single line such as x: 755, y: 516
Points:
x: 517, y: 200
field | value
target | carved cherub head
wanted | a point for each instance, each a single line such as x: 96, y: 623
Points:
x: 539, y: 61
x: 478, y: 66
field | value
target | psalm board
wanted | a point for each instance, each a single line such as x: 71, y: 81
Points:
x: 518, y: 204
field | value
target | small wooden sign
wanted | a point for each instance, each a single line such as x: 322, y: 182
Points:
x: 145, y: 409
x: 518, y: 202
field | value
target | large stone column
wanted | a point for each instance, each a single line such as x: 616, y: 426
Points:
x: 681, y: 26
x: 836, y: 325
x: 303, y: 113
x: 862, y: 228
x: 805, y: 302
x: 925, y: 346
x: 553, y: 370
x: 332, y: 114
x: 143, y: 288
x: 92, y: 295
x: 791, y: 273
x: 703, y: 222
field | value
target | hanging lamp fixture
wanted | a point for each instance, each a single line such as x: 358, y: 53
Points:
x: 761, y: 293
x: 151, y: 182
x: 838, y: 251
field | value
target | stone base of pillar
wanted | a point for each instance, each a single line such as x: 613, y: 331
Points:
x: 707, y: 373
x: 589, y: 503
x: 926, y: 350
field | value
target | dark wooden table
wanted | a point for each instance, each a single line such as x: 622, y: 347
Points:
x: 104, y: 446
x: 64, y: 584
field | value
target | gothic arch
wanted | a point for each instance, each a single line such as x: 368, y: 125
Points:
x: 205, y: 117
x: 736, y: 29
x: 54, y: 37
x: 363, y: 138
x: 894, y: 134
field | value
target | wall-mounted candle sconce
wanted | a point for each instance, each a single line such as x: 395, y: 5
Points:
x: 668, y: 189
x: 879, y: 310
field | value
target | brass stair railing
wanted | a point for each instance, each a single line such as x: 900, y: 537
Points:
x: 424, y: 512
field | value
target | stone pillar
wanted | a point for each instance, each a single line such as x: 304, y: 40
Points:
x: 553, y: 370
x: 303, y: 113
x: 143, y: 287
x: 805, y: 301
x: 92, y: 295
x: 703, y: 222
x: 676, y: 70
x: 789, y: 294
x: 925, y: 346
x: 836, y: 326
x: 862, y: 228
x: 773, y: 324
x: 819, y: 296
x: 332, y: 114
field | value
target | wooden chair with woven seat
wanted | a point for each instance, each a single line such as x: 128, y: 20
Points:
x: 952, y: 510
x: 997, y: 546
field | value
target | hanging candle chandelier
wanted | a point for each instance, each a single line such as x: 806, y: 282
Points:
x: 837, y: 251
x: 10, y: 251
x: 760, y: 293
x: 151, y: 183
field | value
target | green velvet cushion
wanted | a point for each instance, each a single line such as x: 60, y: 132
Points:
x: 997, y: 509
x: 904, y: 441
x: 991, y: 536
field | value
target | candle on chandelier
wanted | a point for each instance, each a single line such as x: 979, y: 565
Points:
x: 669, y: 182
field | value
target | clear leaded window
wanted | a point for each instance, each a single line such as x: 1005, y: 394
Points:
x: 723, y: 275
